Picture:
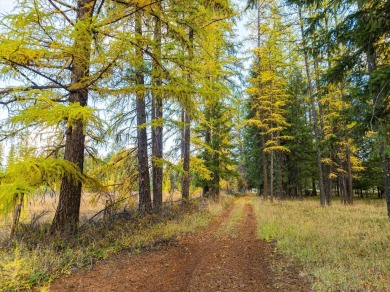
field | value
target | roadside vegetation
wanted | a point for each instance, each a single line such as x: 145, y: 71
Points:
x: 230, y: 227
x: 341, y: 248
x: 34, y: 260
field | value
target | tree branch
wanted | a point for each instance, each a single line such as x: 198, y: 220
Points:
x: 62, y: 12
x: 128, y: 14
x: 9, y: 90
x: 37, y: 72
x: 66, y: 5
x: 216, y: 20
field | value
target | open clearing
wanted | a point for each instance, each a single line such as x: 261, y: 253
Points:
x: 225, y: 257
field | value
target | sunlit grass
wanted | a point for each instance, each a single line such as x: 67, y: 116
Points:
x: 341, y: 247
x: 230, y: 226
x: 38, y: 260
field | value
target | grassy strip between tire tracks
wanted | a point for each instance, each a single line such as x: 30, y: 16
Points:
x: 35, y: 262
x: 229, y: 228
x: 342, y: 248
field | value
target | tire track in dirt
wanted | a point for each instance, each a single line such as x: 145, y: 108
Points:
x: 234, y: 263
x: 203, y: 262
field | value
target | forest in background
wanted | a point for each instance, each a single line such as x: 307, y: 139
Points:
x: 148, y: 97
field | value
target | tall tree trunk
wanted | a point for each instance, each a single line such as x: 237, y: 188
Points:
x: 157, y: 116
x: 314, y: 114
x: 264, y: 159
x: 348, y: 190
x: 271, y: 177
x: 145, y: 202
x: 185, y: 185
x: 262, y: 135
x: 320, y: 116
x: 66, y: 218
x: 328, y: 179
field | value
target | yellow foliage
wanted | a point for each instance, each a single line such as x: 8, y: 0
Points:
x: 26, y: 176
x: 197, y: 166
x: 277, y: 148
x: 50, y: 113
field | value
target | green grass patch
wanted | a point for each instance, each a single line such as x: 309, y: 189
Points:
x: 230, y: 226
x: 35, y: 259
x: 342, y: 248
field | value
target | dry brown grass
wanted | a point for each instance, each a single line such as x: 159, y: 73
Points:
x: 44, y: 207
x: 34, y: 259
x: 342, y: 248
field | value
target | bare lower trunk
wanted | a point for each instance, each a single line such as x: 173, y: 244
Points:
x: 214, y: 190
x: 185, y: 185
x: 15, y: 220
x: 328, y: 185
x: 279, y: 176
x: 349, y: 175
x: 271, y: 177
x: 265, y: 167
x: 314, y: 189
x: 340, y: 184
x: 207, y: 141
x: 67, y: 214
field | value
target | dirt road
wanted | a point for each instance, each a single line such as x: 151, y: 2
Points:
x: 226, y: 257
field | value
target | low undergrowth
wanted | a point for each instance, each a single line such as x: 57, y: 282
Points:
x: 342, y: 248
x: 34, y: 259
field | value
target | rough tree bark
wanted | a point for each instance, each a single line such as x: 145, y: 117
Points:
x: 207, y: 141
x: 272, y: 154
x: 145, y: 202
x: 157, y: 116
x: 185, y: 185
x: 261, y: 113
x: 66, y: 218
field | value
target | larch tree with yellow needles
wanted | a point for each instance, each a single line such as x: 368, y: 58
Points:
x: 269, y: 92
x: 58, y: 53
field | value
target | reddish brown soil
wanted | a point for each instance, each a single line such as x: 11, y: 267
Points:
x: 205, y: 262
